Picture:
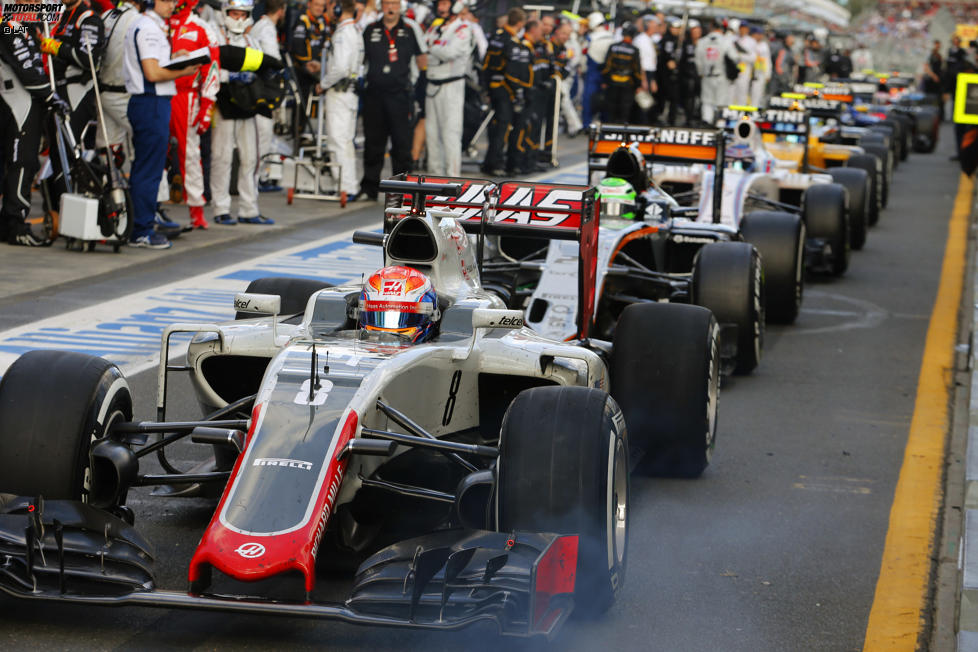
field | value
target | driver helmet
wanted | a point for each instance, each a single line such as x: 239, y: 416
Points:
x: 740, y: 156
x: 399, y: 300
x: 238, y: 25
x: 617, y: 198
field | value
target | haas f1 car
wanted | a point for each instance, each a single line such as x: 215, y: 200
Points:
x: 475, y: 469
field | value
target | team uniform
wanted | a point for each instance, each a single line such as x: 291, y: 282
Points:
x: 78, y: 30
x: 23, y: 93
x: 234, y: 127
x: 500, y: 96
x: 340, y: 80
x: 710, y: 52
x: 622, y: 73
x: 762, y: 74
x: 667, y: 79
x: 112, y: 82
x: 597, y: 51
x: 149, y: 115
x: 563, y: 56
x: 192, y: 106
x: 308, y: 40
x: 389, y: 97
x: 744, y: 53
x: 539, y: 103
x: 265, y: 34
x: 689, y: 81
x: 449, y: 51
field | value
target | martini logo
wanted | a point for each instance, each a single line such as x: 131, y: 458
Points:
x: 250, y: 550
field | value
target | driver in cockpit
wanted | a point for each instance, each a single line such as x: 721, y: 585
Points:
x: 401, y: 301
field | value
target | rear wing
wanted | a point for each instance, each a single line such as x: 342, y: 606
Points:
x: 834, y: 91
x: 521, y: 209
x: 782, y: 122
x: 818, y: 107
x: 680, y: 145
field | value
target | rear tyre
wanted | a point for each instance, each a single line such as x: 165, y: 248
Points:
x: 883, y: 154
x: 907, y: 126
x: 665, y: 375
x: 53, y: 405
x: 563, y: 468
x: 856, y: 183
x: 825, y: 217
x: 295, y: 293
x: 780, y: 240
x: 874, y: 170
x: 928, y: 124
x: 727, y: 279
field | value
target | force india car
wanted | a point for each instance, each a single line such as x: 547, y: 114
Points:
x: 481, y: 475
x: 676, y: 235
x: 757, y: 134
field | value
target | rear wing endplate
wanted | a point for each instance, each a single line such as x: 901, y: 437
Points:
x: 521, y: 209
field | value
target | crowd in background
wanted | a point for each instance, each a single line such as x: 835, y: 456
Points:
x: 422, y: 80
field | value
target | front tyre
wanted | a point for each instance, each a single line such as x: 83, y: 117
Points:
x: 53, y: 405
x: 563, y: 468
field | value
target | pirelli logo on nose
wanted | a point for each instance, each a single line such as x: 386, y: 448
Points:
x: 280, y: 461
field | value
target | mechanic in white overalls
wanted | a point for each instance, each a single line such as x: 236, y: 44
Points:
x: 235, y: 127
x: 343, y: 69
x: 714, y: 87
x: 449, y: 51
x: 265, y: 33
x: 762, y: 68
x: 744, y: 52
x: 112, y: 82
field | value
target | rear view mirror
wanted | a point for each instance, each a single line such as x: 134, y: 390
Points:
x: 493, y: 318
x: 263, y: 304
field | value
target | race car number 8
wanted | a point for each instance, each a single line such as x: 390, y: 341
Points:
x: 450, y: 403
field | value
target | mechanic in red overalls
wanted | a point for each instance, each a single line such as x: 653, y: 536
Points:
x: 192, y: 106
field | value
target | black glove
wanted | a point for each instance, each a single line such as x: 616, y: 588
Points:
x: 54, y: 103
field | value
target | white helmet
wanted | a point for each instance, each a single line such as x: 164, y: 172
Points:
x: 595, y: 19
x: 238, y: 25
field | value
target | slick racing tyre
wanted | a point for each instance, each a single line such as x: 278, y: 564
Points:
x: 856, y: 182
x: 907, y: 130
x: 874, y: 170
x: 928, y: 126
x: 665, y: 375
x: 780, y: 240
x: 825, y: 215
x: 727, y: 279
x: 295, y: 293
x: 563, y: 468
x: 883, y: 154
x: 53, y: 405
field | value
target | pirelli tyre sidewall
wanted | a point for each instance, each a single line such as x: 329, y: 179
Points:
x: 884, y: 155
x: 563, y: 468
x: 295, y: 293
x: 727, y: 279
x: 874, y: 170
x: 665, y: 368
x: 53, y: 406
x: 779, y: 238
x: 856, y: 182
x: 826, y: 217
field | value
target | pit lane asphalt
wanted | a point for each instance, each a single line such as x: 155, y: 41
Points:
x: 776, y: 547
